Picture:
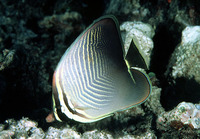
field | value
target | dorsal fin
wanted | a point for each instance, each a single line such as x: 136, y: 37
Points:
x: 134, y: 58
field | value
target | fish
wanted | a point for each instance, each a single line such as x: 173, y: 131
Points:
x: 95, y: 78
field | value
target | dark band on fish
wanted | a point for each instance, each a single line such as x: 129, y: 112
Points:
x: 93, y: 78
x: 62, y: 115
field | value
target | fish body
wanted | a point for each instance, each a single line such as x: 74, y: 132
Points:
x: 94, y: 78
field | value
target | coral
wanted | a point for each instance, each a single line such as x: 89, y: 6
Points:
x: 6, y: 58
x: 7, y: 134
x: 103, y: 134
x: 67, y: 22
x: 131, y: 7
x: 127, y: 115
x: 21, y: 129
x: 96, y: 134
x: 141, y: 34
x: 147, y: 135
x: 153, y: 103
x: 184, y: 114
x: 185, y: 61
x: 26, y: 128
x: 65, y: 133
x: 22, y: 65
x: 52, y: 133
x: 69, y: 132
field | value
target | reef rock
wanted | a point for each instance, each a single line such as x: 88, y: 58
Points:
x: 141, y: 34
x: 184, y: 114
x: 23, y: 128
x: 153, y: 103
x: 185, y: 60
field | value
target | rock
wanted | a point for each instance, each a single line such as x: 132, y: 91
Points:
x: 147, y: 135
x: 141, y: 34
x: 52, y: 133
x: 185, y: 60
x: 153, y: 102
x: 132, y: 7
x: 69, y: 133
x: 64, y: 132
x: 66, y: 23
x: 125, y: 116
x: 6, y: 134
x: 6, y: 58
x: 23, y: 128
x: 96, y: 134
x: 184, y: 114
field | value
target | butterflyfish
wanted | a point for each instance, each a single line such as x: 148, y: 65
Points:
x: 95, y: 79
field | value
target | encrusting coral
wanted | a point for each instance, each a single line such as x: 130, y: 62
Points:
x: 184, y: 114
x: 185, y: 61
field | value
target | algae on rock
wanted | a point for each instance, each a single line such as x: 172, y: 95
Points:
x: 185, y: 60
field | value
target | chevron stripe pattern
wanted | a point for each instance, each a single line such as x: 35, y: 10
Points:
x: 92, y: 75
